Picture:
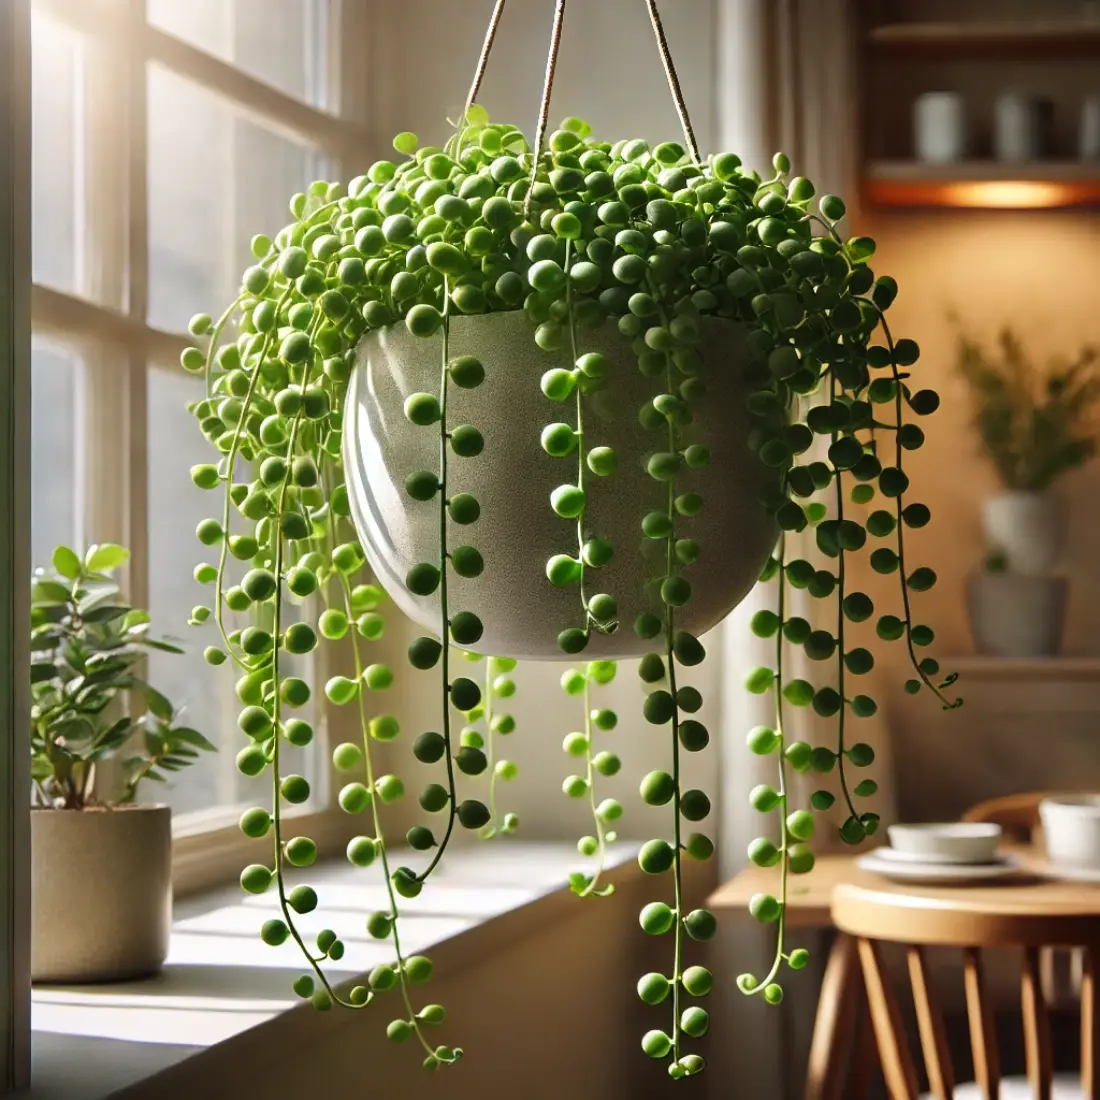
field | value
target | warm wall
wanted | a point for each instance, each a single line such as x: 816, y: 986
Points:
x: 1036, y: 270
x: 608, y: 71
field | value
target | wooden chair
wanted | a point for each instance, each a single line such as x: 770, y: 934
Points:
x: 977, y: 920
x: 1018, y: 816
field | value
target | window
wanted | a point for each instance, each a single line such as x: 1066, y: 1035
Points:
x: 165, y: 135
x: 57, y: 66
x: 55, y: 386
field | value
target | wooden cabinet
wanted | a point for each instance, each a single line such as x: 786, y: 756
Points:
x: 978, y: 49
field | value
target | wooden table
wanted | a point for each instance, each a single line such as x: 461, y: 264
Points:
x: 809, y: 897
x: 841, y: 1025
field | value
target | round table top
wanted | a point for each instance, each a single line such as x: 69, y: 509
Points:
x: 836, y: 890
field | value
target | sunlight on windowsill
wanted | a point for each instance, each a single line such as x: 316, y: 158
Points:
x: 220, y: 979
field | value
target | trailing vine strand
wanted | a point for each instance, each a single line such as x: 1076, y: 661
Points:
x: 498, y: 684
x: 708, y: 272
x: 446, y: 563
x: 575, y: 682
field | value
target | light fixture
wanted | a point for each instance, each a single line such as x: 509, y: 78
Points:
x: 1008, y: 194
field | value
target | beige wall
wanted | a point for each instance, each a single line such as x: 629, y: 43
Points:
x: 608, y: 72
x: 1037, y: 271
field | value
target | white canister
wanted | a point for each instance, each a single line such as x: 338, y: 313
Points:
x: 939, y: 127
x: 1022, y: 125
x: 1088, y: 130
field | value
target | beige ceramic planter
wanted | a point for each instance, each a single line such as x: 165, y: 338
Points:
x: 101, y: 893
x: 513, y: 477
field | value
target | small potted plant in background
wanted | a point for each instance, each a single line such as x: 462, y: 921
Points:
x: 102, y: 891
x: 1035, y: 424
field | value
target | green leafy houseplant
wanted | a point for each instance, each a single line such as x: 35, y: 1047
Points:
x: 1036, y: 423
x: 87, y: 648
x: 657, y: 244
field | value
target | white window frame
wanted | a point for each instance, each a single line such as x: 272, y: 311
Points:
x: 108, y: 328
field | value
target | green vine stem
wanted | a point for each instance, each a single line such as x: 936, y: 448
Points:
x: 444, y: 569
x: 841, y: 655
x: 589, y: 371
x: 577, y: 683
x: 765, y: 798
x: 924, y: 668
x: 664, y: 706
x: 498, y: 684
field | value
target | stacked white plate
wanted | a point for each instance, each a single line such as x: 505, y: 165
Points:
x: 946, y: 854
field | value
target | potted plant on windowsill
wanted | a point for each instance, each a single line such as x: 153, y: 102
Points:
x: 568, y: 399
x: 101, y: 869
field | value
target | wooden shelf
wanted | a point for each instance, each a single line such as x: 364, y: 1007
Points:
x: 1036, y: 40
x: 1019, y: 669
x: 991, y: 185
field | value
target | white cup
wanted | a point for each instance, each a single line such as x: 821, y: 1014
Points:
x: 939, y: 127
x: 1088, y: 132
x: 1021, y: 126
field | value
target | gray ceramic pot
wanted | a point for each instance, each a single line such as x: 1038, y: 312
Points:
x: 101, y: 893
x: 1014, y: 615
x: 513, y: 477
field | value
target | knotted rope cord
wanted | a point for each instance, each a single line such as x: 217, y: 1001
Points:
x: 483, y: 60
x: 673, y: 79
x: 544, y: 106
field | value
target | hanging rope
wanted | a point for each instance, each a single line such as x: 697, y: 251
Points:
x: 673, y: 80
x: 483, y: 60
x: 548, y: 84
x: 544, y: 108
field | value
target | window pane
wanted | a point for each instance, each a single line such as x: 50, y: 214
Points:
x: 215, y: 180
x: 54, y: 403
x: 206, y: 693
x: 281, y: 42
x: 57, y: 119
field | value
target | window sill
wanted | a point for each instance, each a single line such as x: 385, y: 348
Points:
x: 221, y: 981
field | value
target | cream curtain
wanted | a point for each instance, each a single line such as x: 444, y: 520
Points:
x: 785, y: 82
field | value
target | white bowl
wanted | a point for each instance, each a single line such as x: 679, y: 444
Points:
x: 1071, y: 827
x: 952, y: 841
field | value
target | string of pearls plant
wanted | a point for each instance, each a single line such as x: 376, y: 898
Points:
x: 655, y: 241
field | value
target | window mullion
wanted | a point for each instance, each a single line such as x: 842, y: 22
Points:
x: 137, y: 306
x: 105, y: 389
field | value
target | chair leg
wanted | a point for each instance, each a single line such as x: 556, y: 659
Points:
x: 835, y: 1023
x: 1036, y: 1026
x: 897, y: 1061
x: 1090, y: 1028
x: 983, y: 1036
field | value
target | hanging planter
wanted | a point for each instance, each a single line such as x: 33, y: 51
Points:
x: 513, y: 479
x: 561, y: 397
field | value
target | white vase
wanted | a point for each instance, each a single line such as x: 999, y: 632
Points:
x: 101, y: 893
x: 517, y: 532
x: 1028, y: 528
